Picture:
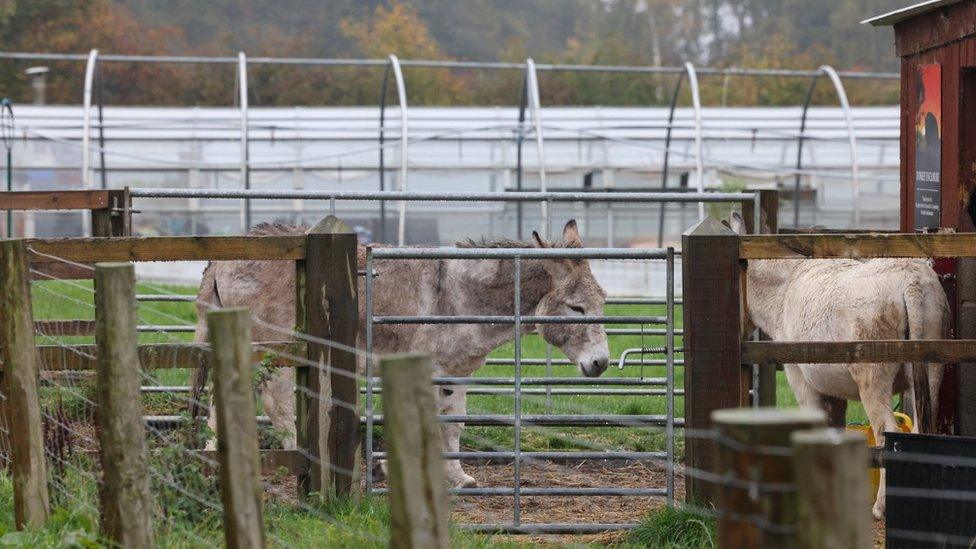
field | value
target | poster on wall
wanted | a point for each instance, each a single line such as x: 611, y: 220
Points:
x: 928, y: 148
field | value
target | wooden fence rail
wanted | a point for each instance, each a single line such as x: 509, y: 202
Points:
x: 167, y: 248
x: 155, y: 356
x: 859, y: 352
x: 110, y: 210
x: 856, y: 246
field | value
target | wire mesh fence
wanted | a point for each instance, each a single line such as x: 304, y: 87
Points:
x: 565, y: 472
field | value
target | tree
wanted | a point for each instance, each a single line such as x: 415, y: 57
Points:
x: 398, y: 29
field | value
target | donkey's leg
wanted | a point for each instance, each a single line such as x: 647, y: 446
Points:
x: 874, y: 384
x: 453, y: 401
x: 806, y: 395
x: 278, y: 399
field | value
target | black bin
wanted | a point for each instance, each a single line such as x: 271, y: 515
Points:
x: 931, y: 484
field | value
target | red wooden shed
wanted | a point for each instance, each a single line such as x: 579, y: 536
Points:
x: 936, y: 41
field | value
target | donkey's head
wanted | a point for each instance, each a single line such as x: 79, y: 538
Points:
x: 574, y: 292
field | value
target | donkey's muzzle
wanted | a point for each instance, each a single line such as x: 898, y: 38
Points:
x: 594, y: 368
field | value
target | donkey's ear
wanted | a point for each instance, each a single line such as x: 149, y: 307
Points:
x: 538, y: 240
x: 726, y: 223
x: 571, y: 236
x: 737, y: 224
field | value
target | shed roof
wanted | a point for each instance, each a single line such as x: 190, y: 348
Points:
x: 908, y: 12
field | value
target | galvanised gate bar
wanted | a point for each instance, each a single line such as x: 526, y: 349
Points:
x: 518, y: 420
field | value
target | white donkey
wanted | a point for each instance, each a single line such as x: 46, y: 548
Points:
x: 429, y: 288
x: 849, y: 300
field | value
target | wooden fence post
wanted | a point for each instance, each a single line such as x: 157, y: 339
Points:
x: 714, y: 376
x: 116, y: 218
x: 237, y: 431
x: 418, y: 497
x: 757, y: 505
x: 833, y: 507
x: 21, y: 366
x: 328, y: 309
x: 769, y: 223
x: 126, y: 504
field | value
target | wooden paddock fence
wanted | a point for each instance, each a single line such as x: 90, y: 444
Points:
x: 326, y: 460
x: 717, y: 353
x: 418, y: 502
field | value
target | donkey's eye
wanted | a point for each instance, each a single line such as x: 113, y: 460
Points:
x: 575, y: 308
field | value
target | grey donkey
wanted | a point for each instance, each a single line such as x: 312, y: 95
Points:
x: 440, y: 287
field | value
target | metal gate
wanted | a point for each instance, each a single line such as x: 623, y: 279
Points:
x: 515, y: 385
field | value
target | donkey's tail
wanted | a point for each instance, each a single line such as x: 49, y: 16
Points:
x: 918, y: 371
x: 207, y: 298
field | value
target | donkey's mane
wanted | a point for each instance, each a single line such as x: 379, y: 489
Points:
x: 510, y: 243
x: 276, y: 229
x: 493, y: 243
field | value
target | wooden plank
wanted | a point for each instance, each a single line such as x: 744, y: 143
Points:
x: 930, y: 30
x: 419, y: 507
x: 835, y: 246
x: 62, y: 271
x: 831, y: 489
x: 273, y: 462
x: 340, y: 324
x: 859, y: 352
x: 769, y: 206
x: 5, y: 423
x: 73, y: 327
x: 126, y: 502
x: 714, y: 376
x: 20, y: 362
x: 157, y: 356
x: 116, y: 218
x: 54, y: 200
x: 167, y: 248
x: 328, y: 310
x: 237, y: 431
x: 748, y: 465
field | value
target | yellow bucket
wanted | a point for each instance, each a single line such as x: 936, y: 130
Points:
x: 904, y: 425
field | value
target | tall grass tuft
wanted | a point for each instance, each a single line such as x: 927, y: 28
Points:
x: 672, y: 528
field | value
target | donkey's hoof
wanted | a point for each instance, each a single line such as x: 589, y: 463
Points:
x: 463, y: 481
x: 878, y: 511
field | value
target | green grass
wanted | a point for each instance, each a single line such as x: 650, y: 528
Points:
x: 671, y: 528
x: 74, y: 523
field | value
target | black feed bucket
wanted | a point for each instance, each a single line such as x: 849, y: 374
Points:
x: 931, y: 490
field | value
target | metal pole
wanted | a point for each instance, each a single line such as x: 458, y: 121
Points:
x: 386, y: 75
x: 532, y: 86
x: 404, y: 139
x: 101, y: 129
x: 696, y: 103
x: 369, y: 369
x: 667, y: 155
x: 245, y: 148
x: 849, y: 119
x: 669, y: 387
x: 519, y: 139
x: 86, y: 134
x: 7, y: 129
x: 517, y: 510
x: 799, y: 150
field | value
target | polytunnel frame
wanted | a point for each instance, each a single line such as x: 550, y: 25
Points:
x: 852, y: 138
x: 688, y: 69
